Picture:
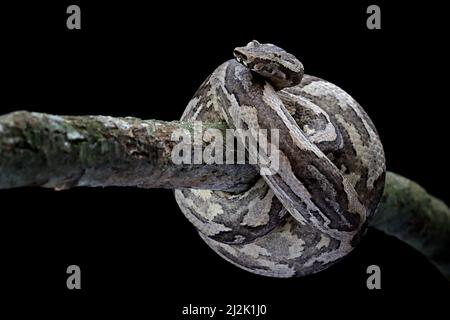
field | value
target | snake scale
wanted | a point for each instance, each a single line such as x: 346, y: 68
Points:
x: 314, y: 209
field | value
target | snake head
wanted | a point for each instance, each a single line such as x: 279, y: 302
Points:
x: 277, y: 66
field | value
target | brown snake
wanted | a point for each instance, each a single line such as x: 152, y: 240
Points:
x: 314, y: 208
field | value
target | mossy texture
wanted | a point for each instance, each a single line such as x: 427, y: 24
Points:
x: 409, y: 213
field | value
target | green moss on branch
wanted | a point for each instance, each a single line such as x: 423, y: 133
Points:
x: 409, y: 213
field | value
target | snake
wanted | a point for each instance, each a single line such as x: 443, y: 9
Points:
x: 314, y: 208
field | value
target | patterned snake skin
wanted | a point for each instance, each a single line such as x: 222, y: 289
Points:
x: 313, y: 210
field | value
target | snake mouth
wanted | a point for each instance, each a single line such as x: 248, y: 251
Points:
x: 240, y: 57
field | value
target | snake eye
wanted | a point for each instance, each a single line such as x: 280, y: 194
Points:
x: 253, y: 43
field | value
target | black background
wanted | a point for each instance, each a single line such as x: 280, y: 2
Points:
x: 136, y: 251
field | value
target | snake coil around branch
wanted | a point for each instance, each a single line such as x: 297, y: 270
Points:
x: 312, y: 210
x: 263, y: 225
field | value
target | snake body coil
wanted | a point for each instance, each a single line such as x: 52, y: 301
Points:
x: 310, y: 212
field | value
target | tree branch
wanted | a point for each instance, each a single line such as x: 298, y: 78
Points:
x: 409, y: 213
x: 66, y: 151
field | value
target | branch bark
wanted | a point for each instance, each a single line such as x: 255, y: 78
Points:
x: 66, y: 151
x: 409, y: 213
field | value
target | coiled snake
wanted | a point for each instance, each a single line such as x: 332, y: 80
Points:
x: 310, y: 212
